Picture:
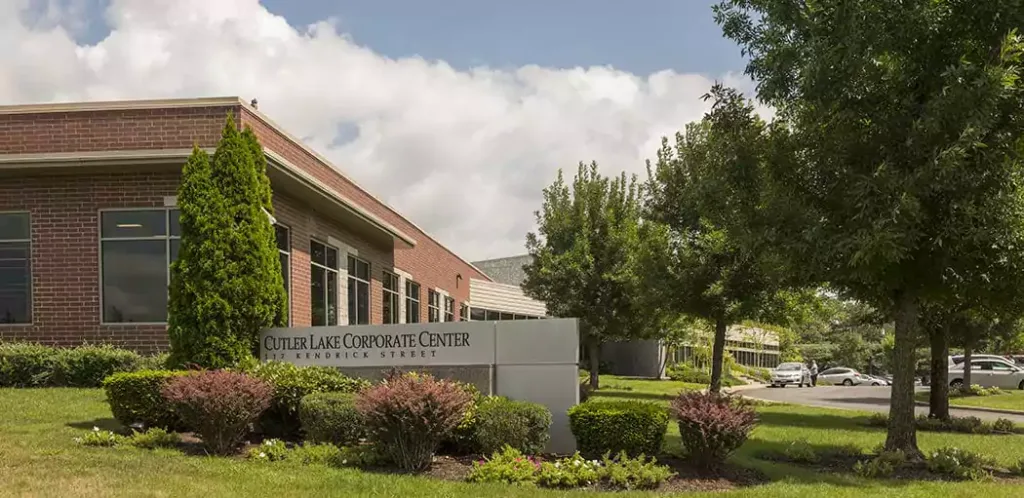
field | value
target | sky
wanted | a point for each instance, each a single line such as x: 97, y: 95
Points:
x: 455, y: 112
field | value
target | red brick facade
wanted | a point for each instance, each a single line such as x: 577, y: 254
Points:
x: 64, y: 204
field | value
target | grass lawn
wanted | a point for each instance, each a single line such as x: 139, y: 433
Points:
x: 39, y: 458
x: 1010, y: 400
x: 614, y: 386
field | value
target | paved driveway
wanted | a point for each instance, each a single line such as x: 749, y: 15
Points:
x: 865, y: 398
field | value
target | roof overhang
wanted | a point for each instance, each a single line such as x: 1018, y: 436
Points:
x: 284, y: 177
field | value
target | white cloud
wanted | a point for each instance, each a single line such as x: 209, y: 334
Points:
x: 464, y: 154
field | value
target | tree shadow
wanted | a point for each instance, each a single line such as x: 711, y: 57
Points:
x: 633, y: 395
x: 103, y: 424
x: 859, y: 401
x: 818, y: 420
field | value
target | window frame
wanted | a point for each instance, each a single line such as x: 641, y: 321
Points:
x: 31, y: 268
x: 288, y: 274
x: 433, y: 306
x: 449, y: 309
x: 167, y: 237
x: 396, y: 295
x: 369, y: 288
x: 337, y: 291
x: 410, y: 299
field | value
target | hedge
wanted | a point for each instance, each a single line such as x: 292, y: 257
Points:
x: 635, y: 427
x: 331, y: 418
x: 292, y: 383
x: 135, y: 398
x: 35, y: 365
x: 519, y: 424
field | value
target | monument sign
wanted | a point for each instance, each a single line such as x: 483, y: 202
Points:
x: 530, y: 360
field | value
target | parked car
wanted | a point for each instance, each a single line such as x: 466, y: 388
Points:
x: 791, y: 373
x: 876, y: 380
x: 959, y: 358
x: 987, y: 372
x: 842, y: 375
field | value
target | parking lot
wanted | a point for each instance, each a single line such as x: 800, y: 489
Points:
x: 866, y: 398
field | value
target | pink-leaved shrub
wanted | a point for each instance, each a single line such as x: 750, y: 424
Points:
x: 408, y: 415
x: 712, y: 425
x: 220, y: 406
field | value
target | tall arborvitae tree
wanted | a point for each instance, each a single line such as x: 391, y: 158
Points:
x: 226, y: 284
x: 280, y: 301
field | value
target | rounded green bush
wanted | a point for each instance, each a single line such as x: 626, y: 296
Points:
x: 87, y: 366
x: 635, y: 427
x: 291, y: 383
x: 331, y: 418
x: 519, y: 424
x: 135, y: 397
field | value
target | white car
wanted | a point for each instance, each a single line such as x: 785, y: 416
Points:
x: 988, y: 372
x: 842, y: 375
x: 791, y: 373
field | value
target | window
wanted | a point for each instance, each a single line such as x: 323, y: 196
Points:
x: 358, y: 291
x: 463, y: 312
x: 449, y: 309
x: 15, y: 268
x: 136, y: 250
x: 323, y: 288
x: 284, y: 250
x: 433, y: 306
x: 390, y: 301
x: 412, y: 302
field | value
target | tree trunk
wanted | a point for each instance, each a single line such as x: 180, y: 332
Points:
x: 902, y: 434
x: 594, y: 352
x: 938, y: 400
x: 968, y: 354
x: 718, y: 356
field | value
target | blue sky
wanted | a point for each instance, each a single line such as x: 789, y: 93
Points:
x: 640, y: 37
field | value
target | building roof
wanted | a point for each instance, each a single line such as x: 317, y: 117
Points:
x: 508, y: 270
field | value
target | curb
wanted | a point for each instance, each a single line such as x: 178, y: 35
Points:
x: 977, y: 409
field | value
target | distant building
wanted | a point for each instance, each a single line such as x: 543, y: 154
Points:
x: 503, y: 298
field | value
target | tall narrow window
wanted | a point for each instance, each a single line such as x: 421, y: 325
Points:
x: 412, y: 302
x: 358, y: 291
x: 389, y: 303
x: 284, y: 251
x: 136, y: 250
x: 463, y: 312
x: 323, y: 283
x: 449, y: 309
x: 433, y: 306
x: 15, y: 268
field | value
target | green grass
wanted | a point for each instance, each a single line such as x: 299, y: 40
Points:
x: 1010, y: 400
x: 39, y: 458
x: 615, y: 386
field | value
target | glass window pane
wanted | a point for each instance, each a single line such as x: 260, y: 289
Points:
x: 332, y: 298
x: 386, y: 308
x: 363, y: 302
x: 332, y: 258
x: 318, y: 295
x: 390, y: 282
x: 317, y: 252
x: 132, y: 224
x: 175, y: 246
x: 285, y: 270
x: 492, y: 315
x: 477, y: 314
x: 174, y: 216
x: 14, y: 226
x: 412, y: 311
x: 15, y: 283
x: 281, y: 236
x: 353, y: 313
x: 506, y: 316
x: 135, y: 281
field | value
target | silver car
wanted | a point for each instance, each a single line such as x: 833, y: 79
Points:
x: 989, y: 373
x: 842, y: 375
x: 791, y: 373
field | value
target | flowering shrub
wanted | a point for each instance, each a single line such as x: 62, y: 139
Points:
x: 519, y: 424
x: 270, y: 450
x: 712, y: 425
x: 611, y: 426
x: 625, y: 473
x: 958, y: 464
x: 291, y: 383
x: 407, y: 416
x: 1004, y: 426
x: 219, y: 405
x: 96, y: 437
x: 571, y: 472
x: 154, y: 437
x: 508, y: 466
x: 331, y: 418
x: 975, y: 390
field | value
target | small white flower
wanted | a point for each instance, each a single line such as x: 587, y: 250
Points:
x: 344, y: 462
x: 263, y: 455
x: 95, y: 429
x: 78, y: 440
x: 558, y: 465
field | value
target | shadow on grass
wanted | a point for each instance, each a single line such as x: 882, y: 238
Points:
x: 634, y: 395
x: 105, y: 424
x: 816, y: 420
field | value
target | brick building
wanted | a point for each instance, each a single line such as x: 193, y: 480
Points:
x: 88, y: 227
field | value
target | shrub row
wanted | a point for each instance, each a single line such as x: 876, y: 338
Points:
x: 34, y: 365
x: 965, y: 425
x: 685, y: 372
x: 620, y: 473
